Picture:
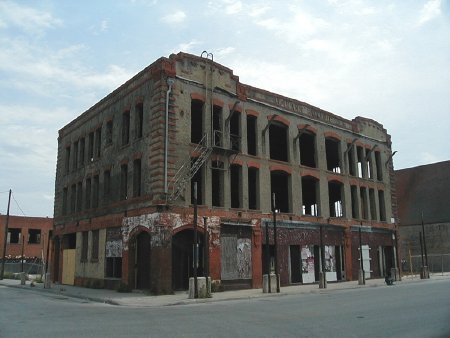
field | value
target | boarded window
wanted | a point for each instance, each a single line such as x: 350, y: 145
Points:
x: 113, y: 253
x: 236, y: 253
x: 139, y: 119
x: 95, y: 245
x: 125, y: 127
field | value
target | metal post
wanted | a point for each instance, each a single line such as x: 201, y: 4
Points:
x: 363, y: 279
x: 424, y: 243
x: 195, y: 241
x: 6, y: 237
x: 268, y: 257
x: 23, y: 246
x: 323, y: 281
x: 275, y: 241
x: 422, y: 275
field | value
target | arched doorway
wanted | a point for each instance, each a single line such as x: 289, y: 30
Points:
x: 141, y: 255
x: 183, y: 257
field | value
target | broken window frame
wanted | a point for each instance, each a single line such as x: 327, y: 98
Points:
x: 236, y: 186
x: 382, y: 205
x: 217, y: 184
x: 283, y: 202
x: 197, y: 120
x: 307, y: 149
x: 333, y: 155
x: 14, y: 235
x: 34, y: 236
x: 252, y: 135
x: 336, y: 206
x: 253, y: 188
x: 278, y: 144
x: 314, y: 208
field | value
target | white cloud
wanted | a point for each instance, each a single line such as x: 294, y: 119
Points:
x: 187, y: 47
x: 29, y: 19
x: 174, y: 18
x: 430, y: 10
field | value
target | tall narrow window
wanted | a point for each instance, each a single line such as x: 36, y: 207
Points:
x: 251, y: 135
x: 95, y: 245
x: 95, y: 191
x: 336, y: 201
x: 278, y: 136
x: 235, y: 131
x: 373, y: 208
x: 217, y: 183
x: 253, y: 188
x: 82, y: 146
x: 379, y: 166
x: 91, y: 147
x: 279, y: 183
x: 364, y: 204
x: 310, y: 193
x: 354, y: 195
x: 75, y: 155
x: 73, y: 198
x: 139, y: 120
x: 34, y: 236
x: 124, y: 182
x: 361, y: 166
x: 106, y: 186
x: 382, y: 205
x: 369, y: 163
x: 126, y: 127
x: 236, y: 186
x: 197, y: 178
x: 307, y: 142
x: 217, y: 126
x: 137, y: 178
x: 67, y: 166
x: 351, y: 158
x: 332, y: 149
x: 84, y: 245
x: 80, y: 196
x: 196, y: 121
x: 64, y: 201
x: 88, y: 193
x: 109, y: 132
x: 98, y: 141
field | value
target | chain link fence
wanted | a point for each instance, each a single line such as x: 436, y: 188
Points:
x: 437, y: 263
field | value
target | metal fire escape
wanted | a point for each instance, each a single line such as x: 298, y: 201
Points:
x: 189, y: 168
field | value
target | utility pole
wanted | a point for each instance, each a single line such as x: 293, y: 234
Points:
x: 268, y: 258
x: 274, y: 210
x: 195, y: 241
x: 361, y: 277
x: 323, y: 279
x: 6, y: 237
x: 426, y: 272
x: 23, y: 247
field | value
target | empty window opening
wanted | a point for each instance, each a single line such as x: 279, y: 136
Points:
x: 73, y: 197
x: 382, y: 205
x: 278, y: 140
x: 114, y: 267
x: 91, y: 147
x: 369, y: 164
x: 79, y: 196
x: 81, y: 157
x: 124, y: 182
x: 64, y: 201
x: 217, y: 183
x: 336, y: 199
x: 125, y: 127
x: 355, y: 209
x: 109, y: 132
x: 34, y: 236
x: 236, y: 186
x: 196, y: 121
x: 364, y: 205
x: 235, y: 131
x: 95, y: 191
x: 98, y: 142
x: 279, y: 182
x: 253, y: 188
x: 251, y: 135
x: 197, y: 178
x: 361, y: 166
x: 137, y: 178
x: 88, y: 194
x: 373, y: 208
x: 379, y: 166
x: 139, y: 120
x: 310, y: 186
x: 217, y: 126
x: 95, y: 245
x: 307, y: 148
x: 332, y: 149
x: 14, y: 236
x: 75, y: 155
x: 67, y: 160
x: 106, y: 185
x: 84, y: 246
x: 351, y: 159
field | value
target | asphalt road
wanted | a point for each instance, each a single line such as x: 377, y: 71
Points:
x: 404, y: 310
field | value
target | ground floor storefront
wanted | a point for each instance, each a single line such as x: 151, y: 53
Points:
x: 160, y: 251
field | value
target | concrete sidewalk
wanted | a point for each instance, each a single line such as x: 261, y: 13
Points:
x: 141, y: 299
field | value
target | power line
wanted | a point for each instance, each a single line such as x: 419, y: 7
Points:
x: 18, y: 205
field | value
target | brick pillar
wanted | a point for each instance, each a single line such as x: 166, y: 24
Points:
x: 256, y: 259
x: 348, y: 254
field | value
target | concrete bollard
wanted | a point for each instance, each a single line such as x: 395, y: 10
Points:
x: 203, y: 288
x: 47, y: 281
x: 273, y: 283
x: 22, y: 278
x: 322, y: 280
x: 361, y: 277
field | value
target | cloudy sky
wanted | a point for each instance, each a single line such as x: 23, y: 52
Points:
x: 385, y: 60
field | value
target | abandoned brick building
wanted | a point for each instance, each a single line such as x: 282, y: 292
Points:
x: 126, y: 169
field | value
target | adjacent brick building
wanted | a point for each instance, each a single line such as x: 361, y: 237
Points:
x: 423, y: 195
x: 27, y: 235
x: 127, y: 166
